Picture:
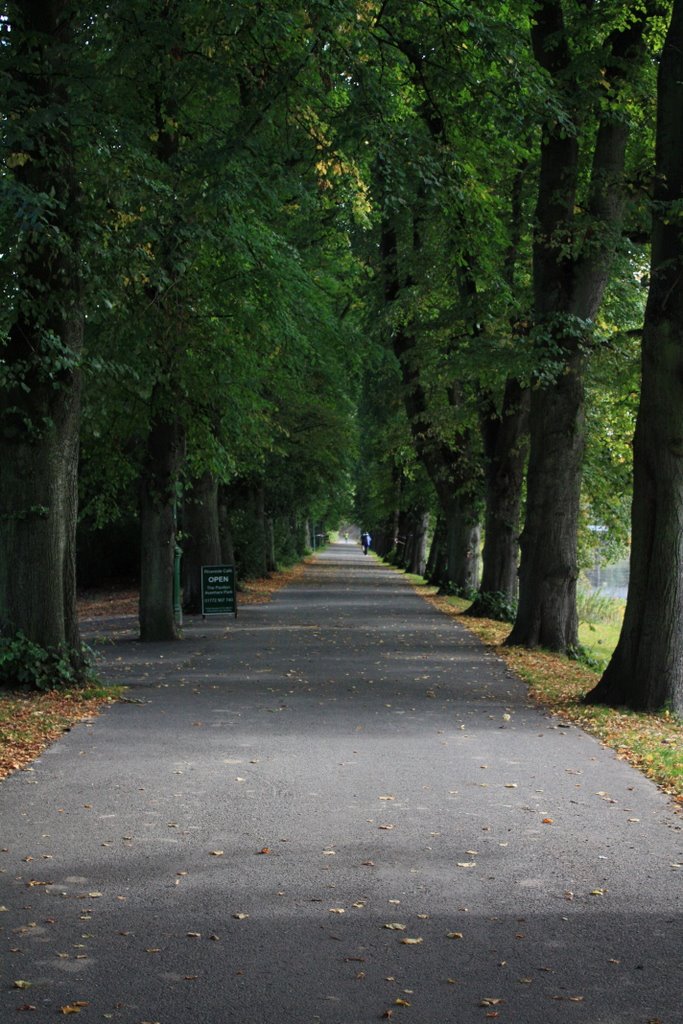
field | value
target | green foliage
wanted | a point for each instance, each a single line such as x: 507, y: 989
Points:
x: 595, y: 608
x: 494, y: 605
x: 24, y: 664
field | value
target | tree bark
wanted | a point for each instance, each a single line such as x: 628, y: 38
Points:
x: 158, y: 491
x: 569, y: 281
x: 227, y: 546
x: 418, y: 549
x: 504, y: 438
x: 39, y: 401
x: 646, y: 669
x: 201, y: 538
x: 436, y: 558
x: 447, y: 465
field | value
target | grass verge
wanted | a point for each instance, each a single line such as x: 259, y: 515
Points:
x: 653, y: 743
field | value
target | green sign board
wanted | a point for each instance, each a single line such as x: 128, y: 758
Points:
x: 218, y: 590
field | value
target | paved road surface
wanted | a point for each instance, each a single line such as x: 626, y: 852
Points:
x: 233, y: 848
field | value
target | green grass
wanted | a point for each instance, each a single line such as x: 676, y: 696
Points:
x: 598, y: 641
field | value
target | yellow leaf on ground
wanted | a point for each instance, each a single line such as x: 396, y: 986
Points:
x: 411, y: 942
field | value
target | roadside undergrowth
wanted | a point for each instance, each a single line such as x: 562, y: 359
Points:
x: 653, y: 743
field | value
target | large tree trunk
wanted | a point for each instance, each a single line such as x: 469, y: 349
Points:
x: 646, y: 669
x: 447, y: 464
x: 227, y: 546
x: 549, y: 567
x: 202, y: 542
x: 569, y: 281
x: 418, y: 548
x: 39, y: 404
x: 436, y: 560
x: 463, y: 535
x: 504, y: 436
x: 165, y: 455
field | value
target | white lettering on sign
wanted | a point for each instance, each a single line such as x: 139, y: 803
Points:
x: 219, y: 579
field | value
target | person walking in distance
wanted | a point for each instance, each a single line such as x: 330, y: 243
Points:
x: 365, y: 541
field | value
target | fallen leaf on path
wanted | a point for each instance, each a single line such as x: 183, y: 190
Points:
x: 401, y: 1002
x: 337, y: 910
x: 467, y: 864
x: 395, y: 927
x: 240, y: 916
x: 264, y: 850
x: 386, y: 828
x: 216, y: 853
x: 491, y: 1001
x: 411, y: 942
x: 21, y: 984
x: 454, y: 935
x: 386, y: 798
x: 329, y: 853
x: 193, y: 935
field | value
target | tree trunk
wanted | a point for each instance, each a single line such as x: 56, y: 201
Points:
x: 38, y: 505
x: 646, y: 669
x: 434, y: 570
x: 418, y: 552
x: 271, y: 561
x: 546, y: 615
x: 39, y: 403
x: 569, y: 281
x: 505, y: 447
x: 201, y: 538
x: 165, y: 454
x: 463, y: 536
x: 227, y: 547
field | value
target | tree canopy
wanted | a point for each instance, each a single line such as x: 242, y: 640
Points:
x: 271, y: 266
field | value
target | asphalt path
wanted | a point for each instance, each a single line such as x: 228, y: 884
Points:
x: 338, y: 808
